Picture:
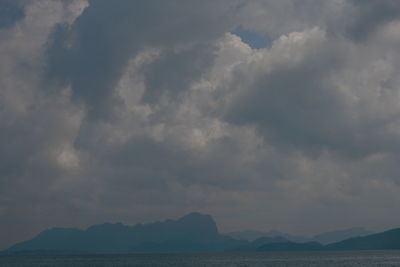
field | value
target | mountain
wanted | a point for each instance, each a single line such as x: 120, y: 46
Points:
x: 323, y: 238
x: 336, y: 236
x: 194, y: 232
x: 381, y: 241
x: 251, y: 235
x: 247, y: 246
x: 291, y: 246
x: 385, y: 240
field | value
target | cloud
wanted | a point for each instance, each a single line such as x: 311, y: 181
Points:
x: 92, y: 53
x: 189, y: 63
x: 11, y: 12
x: 369, y: 16
x: 292, y: 97
x: 136, y: 111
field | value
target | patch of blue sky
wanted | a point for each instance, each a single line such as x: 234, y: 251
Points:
x: 254, y: 39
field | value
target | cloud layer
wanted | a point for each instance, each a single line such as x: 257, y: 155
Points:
x: 137, y: 111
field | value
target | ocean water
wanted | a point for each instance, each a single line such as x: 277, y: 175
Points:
x: 283, y: 259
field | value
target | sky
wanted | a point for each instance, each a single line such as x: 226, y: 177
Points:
x: 265, y: 114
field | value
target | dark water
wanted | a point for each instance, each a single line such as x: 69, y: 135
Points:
x: 361, y: 259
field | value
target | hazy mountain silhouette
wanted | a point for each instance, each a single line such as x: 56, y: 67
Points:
x: 247, y: 246
x: 381, y: 241
x: 323, y: 238
x: 291, y: 246
x: 251, y: 235
x: 194, y: 232
x: 336, y: 236
x: 385, y: 240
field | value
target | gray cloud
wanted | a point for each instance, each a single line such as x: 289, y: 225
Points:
x: 189, y: 65
x: 353, y: 19
x: 136, y: 111
x: 11, y: 12
x: 92, y: 53
x: 298, y: 104
x: 369, y: 15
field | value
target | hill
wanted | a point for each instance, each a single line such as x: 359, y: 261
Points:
x: 388, y: 240
x: 291, y: 246
x: 252, y: 235
x: 337, y: 236
x: 194, y: 232
x: 323, y: 238
x: 380, y: 241
x: 254, y: 245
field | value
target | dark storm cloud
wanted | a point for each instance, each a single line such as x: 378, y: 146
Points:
x: 11, y: 11
x: 29, y: 168
x: 188, y: 65
x: 308, y: 125
x: 296, y: 105
x: 300, y: 105
x: 353, y: 19
x: 92, y: 53
x: 369, y: 15
x: 145, y: 164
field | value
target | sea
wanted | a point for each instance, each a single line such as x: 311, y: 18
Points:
x: 281, y: 259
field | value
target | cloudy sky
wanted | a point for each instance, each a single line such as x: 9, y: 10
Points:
x: 266, y: 114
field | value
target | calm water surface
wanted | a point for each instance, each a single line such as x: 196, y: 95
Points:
x: 361, y: 258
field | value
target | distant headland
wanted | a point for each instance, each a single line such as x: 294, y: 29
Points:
x: 193, y: 233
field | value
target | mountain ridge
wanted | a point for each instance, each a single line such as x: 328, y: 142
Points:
x: 323, y: 238
x: 339, y: 235
x: 389, y: 239
x: 194, y: 232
